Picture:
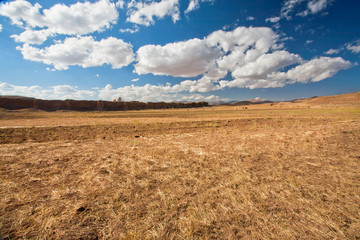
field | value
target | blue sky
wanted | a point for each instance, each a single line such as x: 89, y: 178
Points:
x: 179, y: 50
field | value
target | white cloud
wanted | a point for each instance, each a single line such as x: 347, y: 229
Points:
x: 354, y: 47
x: 82, y: 51
x: 77, y: 19
x: 260, y: 38
x: 144, y: 13
x: 314, y: 70
x: 152, y: 93
x: 311, y: 7
x: 288, y: 7
x: 129, y: 30
x: 202, y: 85
x: 1, y: 27
x: 195, y: 4
x: 273, y: 19
x: 332, y: 51
x: 21, y: 11
x: 135, y: 79
x: 265, y: 65
x: 120, y: 4
x: 250, y: 18
x: 316, y: 6
x: 54, y: 92
x: 181, y: 59
x: 50, y: 69
x: 253, y: 57
x: 32, y: 36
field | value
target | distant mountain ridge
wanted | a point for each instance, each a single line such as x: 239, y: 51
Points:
x: 353, y: 97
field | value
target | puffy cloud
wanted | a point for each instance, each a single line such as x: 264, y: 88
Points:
x: 195, y: 4
x: 181, y: 59
x: 152, y: 93
x: 261, y: 38
x: 252, y: 56
x: 1, y: 27
x: 245, y: 52
x: 32, y: 37
x: 317, y: 69
x: 265, y: 65
x: 143, y: 13
x: 77, y: 19
x: 250, y: 18
x: 21, y: 11
x: 355, y: 47
x: 82, y: 51
x: 54, y: 92
x: 202, y: 85
x: 135, y: 79
x: 314, y: 70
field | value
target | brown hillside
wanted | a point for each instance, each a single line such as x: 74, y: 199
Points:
x: 348, y: 98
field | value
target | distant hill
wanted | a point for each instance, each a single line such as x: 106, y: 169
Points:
x: 240, y: 103
x: 341, y: 99
x: 17, y: 97
x: 347, y: 98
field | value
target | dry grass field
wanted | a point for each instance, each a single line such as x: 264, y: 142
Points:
x: 272, y: 171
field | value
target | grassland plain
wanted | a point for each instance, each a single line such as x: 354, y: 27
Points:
x: 281, y: 171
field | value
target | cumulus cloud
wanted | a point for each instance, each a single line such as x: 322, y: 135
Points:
x: 318, y: 69
x: 135, y: 79
x: 195, y: 4
x: 54, y: 92
x: 253, y: 57
x: 314, y: 70
x: 82, y: 51
x: 77, y: 19
x: 260, y: 38
x: 32, y: 36
x: 143, y: 13
x: 267, y: 77
x: 245, y: 52
x: 265, y: 65
x: 1, y: 27
x: 181, y: 59
x: 152, y: 93
x: 22, y: 12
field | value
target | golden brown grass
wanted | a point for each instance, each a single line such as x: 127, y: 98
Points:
x: 221, y: 173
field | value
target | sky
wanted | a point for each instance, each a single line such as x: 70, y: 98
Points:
x: 179, y: 50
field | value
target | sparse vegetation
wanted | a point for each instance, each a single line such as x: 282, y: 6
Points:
x: 262, y: 173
